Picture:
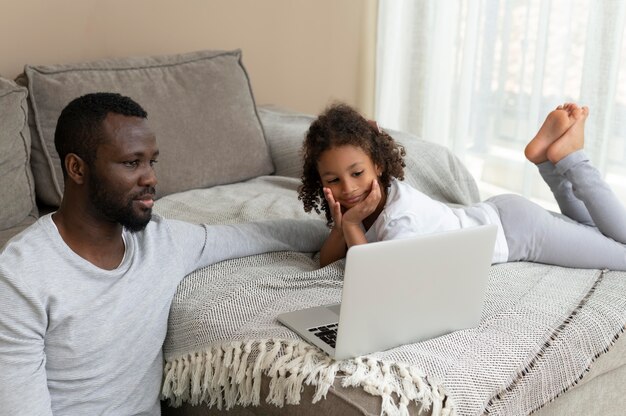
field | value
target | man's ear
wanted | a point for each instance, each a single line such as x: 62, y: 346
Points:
x: 76, y: 168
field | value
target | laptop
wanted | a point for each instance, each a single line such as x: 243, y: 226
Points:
x: 402, y: 291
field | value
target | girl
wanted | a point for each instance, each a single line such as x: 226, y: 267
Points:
x: 353, y: 172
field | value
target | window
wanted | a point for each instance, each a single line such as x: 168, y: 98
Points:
x: 481, y: 76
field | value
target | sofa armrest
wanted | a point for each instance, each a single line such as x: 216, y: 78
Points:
x: 436, y: 170
x: 284, y: 132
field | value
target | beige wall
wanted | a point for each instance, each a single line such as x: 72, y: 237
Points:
x: 300, y: 54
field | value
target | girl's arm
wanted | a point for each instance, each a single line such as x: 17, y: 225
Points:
x: 336, y: 245
x: 334, y: 248
x: 353, y: 234
x: 347, y: 230
x: 352, y: 219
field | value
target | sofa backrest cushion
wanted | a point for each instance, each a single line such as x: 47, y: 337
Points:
x: 199, y: 104
x: 16, y: 182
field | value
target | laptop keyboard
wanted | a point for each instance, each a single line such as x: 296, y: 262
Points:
x: 327, y: 333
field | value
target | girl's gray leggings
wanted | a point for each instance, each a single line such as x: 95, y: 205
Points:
x: 591, y: 231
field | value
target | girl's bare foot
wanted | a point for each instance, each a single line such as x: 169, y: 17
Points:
x: 572, y: 140
x: 555, y: 125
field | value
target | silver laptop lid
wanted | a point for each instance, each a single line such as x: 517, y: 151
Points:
x: 403, y: 291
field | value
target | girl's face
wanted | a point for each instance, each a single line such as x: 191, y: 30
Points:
x: 348, y: 172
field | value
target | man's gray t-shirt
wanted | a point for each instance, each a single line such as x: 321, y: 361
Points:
x: 77, y: 339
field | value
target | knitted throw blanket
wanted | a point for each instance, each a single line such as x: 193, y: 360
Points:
x: 541, y: 329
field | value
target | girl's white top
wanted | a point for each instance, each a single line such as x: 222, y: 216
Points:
x: 409, y: 213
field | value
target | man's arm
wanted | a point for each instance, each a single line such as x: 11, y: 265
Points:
x: 224, y: 242
x: 23, y: 382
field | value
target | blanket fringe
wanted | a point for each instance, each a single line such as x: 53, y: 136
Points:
x: 230, y: 374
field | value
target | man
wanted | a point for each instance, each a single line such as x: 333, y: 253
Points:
x: 85, y: 292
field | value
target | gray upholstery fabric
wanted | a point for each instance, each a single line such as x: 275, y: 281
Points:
x: 16, y: 182
x: 285, y: 133
x: 199, y: 104
x: 599, y: 392
x: 436, y: 171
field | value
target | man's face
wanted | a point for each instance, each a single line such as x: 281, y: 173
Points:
x: 122, y: 180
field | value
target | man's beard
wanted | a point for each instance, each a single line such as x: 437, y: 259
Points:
x: 114, y: 208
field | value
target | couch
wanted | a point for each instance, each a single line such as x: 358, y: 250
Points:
x: 549, y: 341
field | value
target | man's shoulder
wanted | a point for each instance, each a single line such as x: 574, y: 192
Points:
x: 31, y: 237
x: 160, y: 230
x: 160, y: 223
x: 26, y: 251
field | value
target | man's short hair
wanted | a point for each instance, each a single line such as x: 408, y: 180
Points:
x: 79, y: 128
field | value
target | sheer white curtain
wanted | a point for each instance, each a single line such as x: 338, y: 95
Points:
x: 479, y: 76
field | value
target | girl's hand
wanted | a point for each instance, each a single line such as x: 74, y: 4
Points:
x: 365, y: 208
x: 335, y: 208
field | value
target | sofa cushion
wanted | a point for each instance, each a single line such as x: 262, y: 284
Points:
x: 285, y: 131
x: 16, y: 182
x: 199, y: 104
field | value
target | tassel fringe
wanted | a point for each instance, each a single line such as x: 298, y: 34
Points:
x: 230, y: 374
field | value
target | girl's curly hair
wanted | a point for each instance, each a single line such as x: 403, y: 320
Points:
x: 341, y: 125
